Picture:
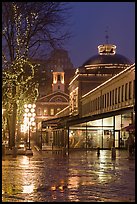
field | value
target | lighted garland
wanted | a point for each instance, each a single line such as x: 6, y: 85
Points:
x: 19, y: 75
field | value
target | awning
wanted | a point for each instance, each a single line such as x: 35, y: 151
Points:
x: 67, y: 121
x: 130, y: 128
x: 55, y: 122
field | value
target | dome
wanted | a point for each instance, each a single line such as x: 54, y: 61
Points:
x: 107, y: 55
x: 107, y: 59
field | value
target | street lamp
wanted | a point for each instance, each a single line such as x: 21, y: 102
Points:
x: 29, y: 118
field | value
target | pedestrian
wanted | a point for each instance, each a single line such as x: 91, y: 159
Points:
x: 130, y: 144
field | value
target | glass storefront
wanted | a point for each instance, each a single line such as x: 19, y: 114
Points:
x: 93, y: 134
x: 126, y: 119
x: 104, y: 133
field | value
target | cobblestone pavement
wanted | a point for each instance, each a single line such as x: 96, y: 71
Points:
x: 78, y: 177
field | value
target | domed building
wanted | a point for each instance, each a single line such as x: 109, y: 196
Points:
x: 101, y: 101
x: 94, y: 72
x: 107, y: 55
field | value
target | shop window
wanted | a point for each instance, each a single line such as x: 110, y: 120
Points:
x: 117, y: 122
x: 108, y: 121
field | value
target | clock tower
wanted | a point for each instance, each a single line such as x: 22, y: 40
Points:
x: 58, y: 80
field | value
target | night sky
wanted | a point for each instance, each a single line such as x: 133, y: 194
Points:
x: 89, y: 23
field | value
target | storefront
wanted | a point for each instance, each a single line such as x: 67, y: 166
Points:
x: 105, y: 132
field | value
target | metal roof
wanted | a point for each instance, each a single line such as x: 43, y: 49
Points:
x: 106, y: 59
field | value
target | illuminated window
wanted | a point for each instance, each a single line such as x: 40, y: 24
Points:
x: 39, y: 111
x: 45, y: 111
x: 52, y: 111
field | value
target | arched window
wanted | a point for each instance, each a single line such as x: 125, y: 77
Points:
x: 45, y: 111
x: 39, y: 111
x: 52, y: 111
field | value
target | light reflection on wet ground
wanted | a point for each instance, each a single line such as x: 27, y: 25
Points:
x: 79, y: 177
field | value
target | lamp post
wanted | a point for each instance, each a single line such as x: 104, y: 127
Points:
x: 29, y: 118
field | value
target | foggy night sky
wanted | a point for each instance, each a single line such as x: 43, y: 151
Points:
x: 90, y: 21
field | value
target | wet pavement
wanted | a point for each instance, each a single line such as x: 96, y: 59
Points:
x: 78, y: 177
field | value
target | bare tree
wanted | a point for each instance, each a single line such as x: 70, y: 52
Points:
x: 46, y: 23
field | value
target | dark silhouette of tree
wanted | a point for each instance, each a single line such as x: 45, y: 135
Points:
x: 44, y: 22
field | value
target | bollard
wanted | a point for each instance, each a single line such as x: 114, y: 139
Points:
x: 113, y: 152
x: 98, y: 151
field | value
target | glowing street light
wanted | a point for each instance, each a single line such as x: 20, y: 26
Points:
x: 29, y: 118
